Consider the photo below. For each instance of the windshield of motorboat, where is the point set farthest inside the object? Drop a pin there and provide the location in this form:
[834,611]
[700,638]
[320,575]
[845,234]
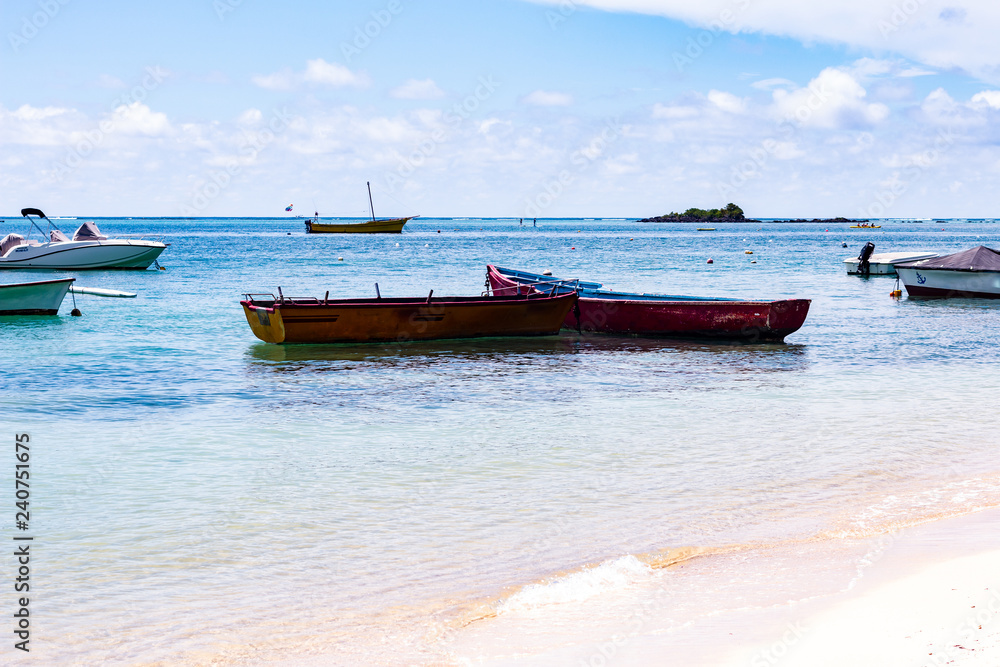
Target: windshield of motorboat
[46,233]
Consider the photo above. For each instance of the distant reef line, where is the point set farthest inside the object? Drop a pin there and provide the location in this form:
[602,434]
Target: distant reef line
[662,218]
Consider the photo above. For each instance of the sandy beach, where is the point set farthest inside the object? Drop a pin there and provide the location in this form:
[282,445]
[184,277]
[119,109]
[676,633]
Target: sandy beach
[930,595]
[933,599]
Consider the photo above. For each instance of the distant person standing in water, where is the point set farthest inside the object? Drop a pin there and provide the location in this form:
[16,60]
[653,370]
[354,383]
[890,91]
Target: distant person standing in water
[534,222]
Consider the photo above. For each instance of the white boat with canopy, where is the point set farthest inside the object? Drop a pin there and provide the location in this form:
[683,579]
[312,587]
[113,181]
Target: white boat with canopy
[88,249]
[970,274]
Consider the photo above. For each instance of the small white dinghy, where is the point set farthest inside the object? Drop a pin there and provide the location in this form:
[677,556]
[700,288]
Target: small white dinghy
[38,298]
[883,263]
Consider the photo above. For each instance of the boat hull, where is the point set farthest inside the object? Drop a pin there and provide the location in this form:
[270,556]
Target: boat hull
[943,283]
[84,255]
[732,320]
[36,298]
[394,226]
[399,320]
[644,315]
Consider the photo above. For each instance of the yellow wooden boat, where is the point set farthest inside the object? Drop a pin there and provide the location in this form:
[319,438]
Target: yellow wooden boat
[373,226]
[391,226]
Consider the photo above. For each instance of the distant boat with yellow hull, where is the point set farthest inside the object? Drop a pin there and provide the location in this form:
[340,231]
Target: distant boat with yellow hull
[373,226]
[391,226]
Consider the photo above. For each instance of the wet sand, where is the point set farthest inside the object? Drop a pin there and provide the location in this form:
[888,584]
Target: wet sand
[928,595]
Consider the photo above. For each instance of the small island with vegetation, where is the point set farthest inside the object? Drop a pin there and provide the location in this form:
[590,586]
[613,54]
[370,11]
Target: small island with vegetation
[731,213]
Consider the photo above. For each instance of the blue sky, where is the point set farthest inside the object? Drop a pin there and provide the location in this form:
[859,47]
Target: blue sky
[500,108]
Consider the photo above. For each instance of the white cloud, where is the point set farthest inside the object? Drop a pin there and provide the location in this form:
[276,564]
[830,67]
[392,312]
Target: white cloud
[37,126]
[544,98]
[937,33]
[417,89]
[689,149]
[332,74]
[916,71]
[488,124]
[833,100]
[989,98]
[250,117]
[137,118]
[727,101]
[938,105]
[317,72]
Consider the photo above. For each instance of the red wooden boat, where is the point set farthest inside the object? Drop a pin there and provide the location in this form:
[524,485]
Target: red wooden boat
[604,311]
[310,320]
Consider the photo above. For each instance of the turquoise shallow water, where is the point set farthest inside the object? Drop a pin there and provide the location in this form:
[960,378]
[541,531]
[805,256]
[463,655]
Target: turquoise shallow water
[202,496]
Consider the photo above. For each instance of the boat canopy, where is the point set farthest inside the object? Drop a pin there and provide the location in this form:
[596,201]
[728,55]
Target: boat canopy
[88,231]
[25,212]
[979,258]
[10,241]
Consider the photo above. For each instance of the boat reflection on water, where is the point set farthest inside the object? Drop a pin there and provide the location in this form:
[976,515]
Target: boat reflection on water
[756,357]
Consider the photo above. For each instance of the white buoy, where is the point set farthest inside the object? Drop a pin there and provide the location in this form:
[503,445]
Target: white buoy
[397,245]
[546,272]
[340,259]
[427,245]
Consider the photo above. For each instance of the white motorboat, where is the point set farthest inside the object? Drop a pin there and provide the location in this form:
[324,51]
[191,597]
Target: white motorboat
[973,273]
[88,249]
[38,298]
[884,263]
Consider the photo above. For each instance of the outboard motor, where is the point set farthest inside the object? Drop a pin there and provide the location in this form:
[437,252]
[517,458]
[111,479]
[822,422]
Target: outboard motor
[863,268]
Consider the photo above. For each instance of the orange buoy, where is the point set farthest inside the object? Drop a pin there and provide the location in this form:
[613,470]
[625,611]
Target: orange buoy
[573,248]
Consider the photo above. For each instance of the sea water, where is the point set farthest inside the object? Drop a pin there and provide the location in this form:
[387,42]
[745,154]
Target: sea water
[199,496]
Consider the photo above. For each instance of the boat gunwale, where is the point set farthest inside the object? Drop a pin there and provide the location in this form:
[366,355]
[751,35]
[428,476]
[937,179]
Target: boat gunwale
[374,302]
[925,269]
[39,282]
